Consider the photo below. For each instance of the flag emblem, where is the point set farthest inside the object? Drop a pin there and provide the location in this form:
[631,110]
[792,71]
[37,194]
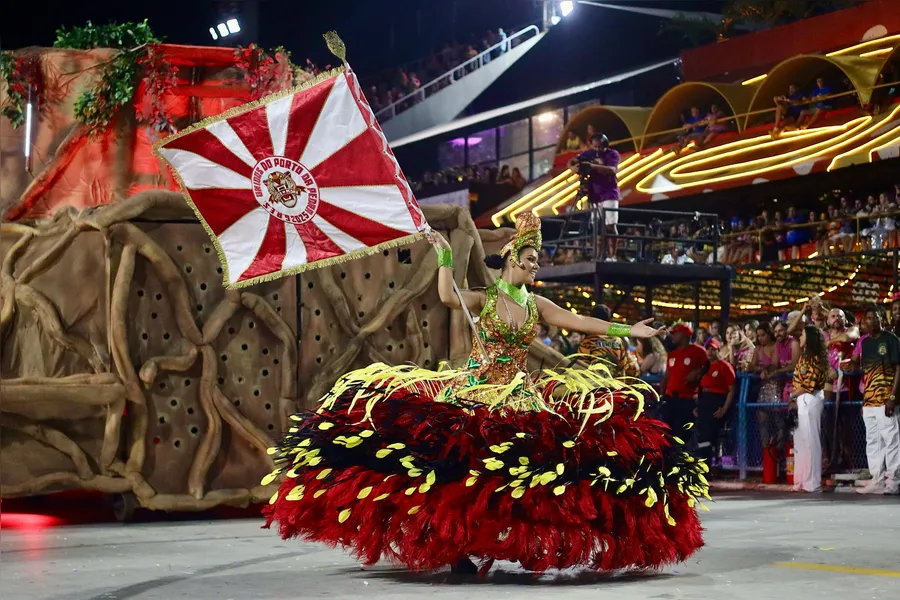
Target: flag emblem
[276,190]
[294,181]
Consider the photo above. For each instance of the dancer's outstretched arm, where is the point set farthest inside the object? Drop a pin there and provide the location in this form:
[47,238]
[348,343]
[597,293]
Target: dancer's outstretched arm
[474,300]
[555,316]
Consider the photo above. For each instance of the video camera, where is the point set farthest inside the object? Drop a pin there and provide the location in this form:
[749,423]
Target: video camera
[584,171]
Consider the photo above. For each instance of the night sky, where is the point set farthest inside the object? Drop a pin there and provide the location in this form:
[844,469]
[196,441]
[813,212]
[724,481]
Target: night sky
[590,43]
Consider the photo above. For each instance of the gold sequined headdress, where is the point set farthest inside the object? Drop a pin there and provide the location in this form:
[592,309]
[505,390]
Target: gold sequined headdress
[528,233]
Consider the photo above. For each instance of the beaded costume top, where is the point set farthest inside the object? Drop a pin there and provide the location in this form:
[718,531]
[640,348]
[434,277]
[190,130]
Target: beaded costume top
[507,348]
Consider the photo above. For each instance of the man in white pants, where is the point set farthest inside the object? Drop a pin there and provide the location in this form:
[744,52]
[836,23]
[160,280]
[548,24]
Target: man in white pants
[603,185]
[880,360]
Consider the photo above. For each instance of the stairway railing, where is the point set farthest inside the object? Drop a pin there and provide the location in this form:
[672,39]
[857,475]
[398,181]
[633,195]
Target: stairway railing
[454,74]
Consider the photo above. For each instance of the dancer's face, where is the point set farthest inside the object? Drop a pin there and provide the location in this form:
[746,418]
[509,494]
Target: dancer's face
[528,259]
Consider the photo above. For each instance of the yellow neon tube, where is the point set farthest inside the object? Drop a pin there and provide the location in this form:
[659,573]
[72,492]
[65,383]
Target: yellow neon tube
[884,140]
[870,43]
[876,53]
[572,189]
[497,218]
[756,79]
[631,159]
[644,168]
[625,166]
[639,164]
[556,188]
[675,172]
[883,146]
[775,161]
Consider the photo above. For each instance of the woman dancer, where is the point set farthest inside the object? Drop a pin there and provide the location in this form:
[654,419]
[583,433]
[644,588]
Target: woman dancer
[429,468]
[808,397]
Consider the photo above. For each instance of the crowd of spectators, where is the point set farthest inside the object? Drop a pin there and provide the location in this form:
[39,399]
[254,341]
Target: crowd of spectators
[386,88]
[702,129]
[846,225]
[434,181]
[751,346]
[801,109]
[779,352]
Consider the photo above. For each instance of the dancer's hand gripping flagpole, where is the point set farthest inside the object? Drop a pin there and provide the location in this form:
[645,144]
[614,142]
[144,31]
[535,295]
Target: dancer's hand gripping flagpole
[429,232]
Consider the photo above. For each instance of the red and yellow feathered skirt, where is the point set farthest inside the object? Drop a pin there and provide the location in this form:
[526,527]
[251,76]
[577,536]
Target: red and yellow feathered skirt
[396,465]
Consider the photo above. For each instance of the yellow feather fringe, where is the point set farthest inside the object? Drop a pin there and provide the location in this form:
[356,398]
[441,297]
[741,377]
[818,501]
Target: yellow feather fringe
[588,392]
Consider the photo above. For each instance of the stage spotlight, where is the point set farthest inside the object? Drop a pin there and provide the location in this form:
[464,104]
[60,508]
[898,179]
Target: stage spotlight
[233,25]
[212,32]
[223,30]
[566,7]
[554,20]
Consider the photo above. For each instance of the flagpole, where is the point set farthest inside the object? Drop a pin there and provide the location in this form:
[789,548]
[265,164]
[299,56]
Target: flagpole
[469,318]
[462,303]
[337,47]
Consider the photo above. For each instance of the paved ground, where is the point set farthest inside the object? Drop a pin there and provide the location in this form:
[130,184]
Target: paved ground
[759,547]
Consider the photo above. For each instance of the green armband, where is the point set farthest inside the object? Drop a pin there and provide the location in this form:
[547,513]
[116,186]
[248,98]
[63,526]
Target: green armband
[444,257]
[618,330]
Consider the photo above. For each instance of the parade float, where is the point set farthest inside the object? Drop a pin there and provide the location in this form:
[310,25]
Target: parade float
[127,367]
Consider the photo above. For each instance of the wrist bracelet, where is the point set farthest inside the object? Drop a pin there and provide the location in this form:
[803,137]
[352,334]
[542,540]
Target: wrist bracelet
[444,257]
[618,330]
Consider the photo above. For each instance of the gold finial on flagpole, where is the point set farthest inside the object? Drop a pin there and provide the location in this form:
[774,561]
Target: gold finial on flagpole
[336,45]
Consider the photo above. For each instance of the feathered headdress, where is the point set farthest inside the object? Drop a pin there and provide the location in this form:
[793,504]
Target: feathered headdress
[528,233]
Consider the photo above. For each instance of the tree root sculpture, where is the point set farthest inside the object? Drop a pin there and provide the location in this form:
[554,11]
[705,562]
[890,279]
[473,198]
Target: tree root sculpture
[192,339]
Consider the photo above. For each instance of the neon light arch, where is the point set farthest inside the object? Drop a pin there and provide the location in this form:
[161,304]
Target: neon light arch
[731,98]
[803,70]
[617,122]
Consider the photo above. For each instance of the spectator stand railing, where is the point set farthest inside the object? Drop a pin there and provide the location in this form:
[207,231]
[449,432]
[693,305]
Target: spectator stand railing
[744,445]
[586,232]
[454,74]
[653,236]
[759,234]
[420,65]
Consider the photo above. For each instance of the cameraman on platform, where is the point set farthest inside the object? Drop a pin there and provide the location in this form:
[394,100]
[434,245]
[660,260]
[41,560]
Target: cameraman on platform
[597,166]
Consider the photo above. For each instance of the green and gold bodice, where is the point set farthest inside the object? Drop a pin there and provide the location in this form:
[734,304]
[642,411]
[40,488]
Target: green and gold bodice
[506,347]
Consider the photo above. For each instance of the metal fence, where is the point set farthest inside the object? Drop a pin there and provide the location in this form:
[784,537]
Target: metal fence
[740,448]
[586,232]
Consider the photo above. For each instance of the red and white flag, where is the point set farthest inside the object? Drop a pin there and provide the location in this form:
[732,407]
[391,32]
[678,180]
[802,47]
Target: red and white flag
[294,182]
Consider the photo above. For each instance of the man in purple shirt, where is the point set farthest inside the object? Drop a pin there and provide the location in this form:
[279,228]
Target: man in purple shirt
[600,165]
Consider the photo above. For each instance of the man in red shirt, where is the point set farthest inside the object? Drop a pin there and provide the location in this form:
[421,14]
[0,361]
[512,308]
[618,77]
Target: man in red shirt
[687,363]
[716,397]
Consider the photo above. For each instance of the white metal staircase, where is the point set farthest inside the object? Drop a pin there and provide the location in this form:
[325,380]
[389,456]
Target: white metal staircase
[445,97]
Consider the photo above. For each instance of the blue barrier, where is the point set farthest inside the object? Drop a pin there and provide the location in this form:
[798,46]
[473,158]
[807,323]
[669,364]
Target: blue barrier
[747,445]
[740,438]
